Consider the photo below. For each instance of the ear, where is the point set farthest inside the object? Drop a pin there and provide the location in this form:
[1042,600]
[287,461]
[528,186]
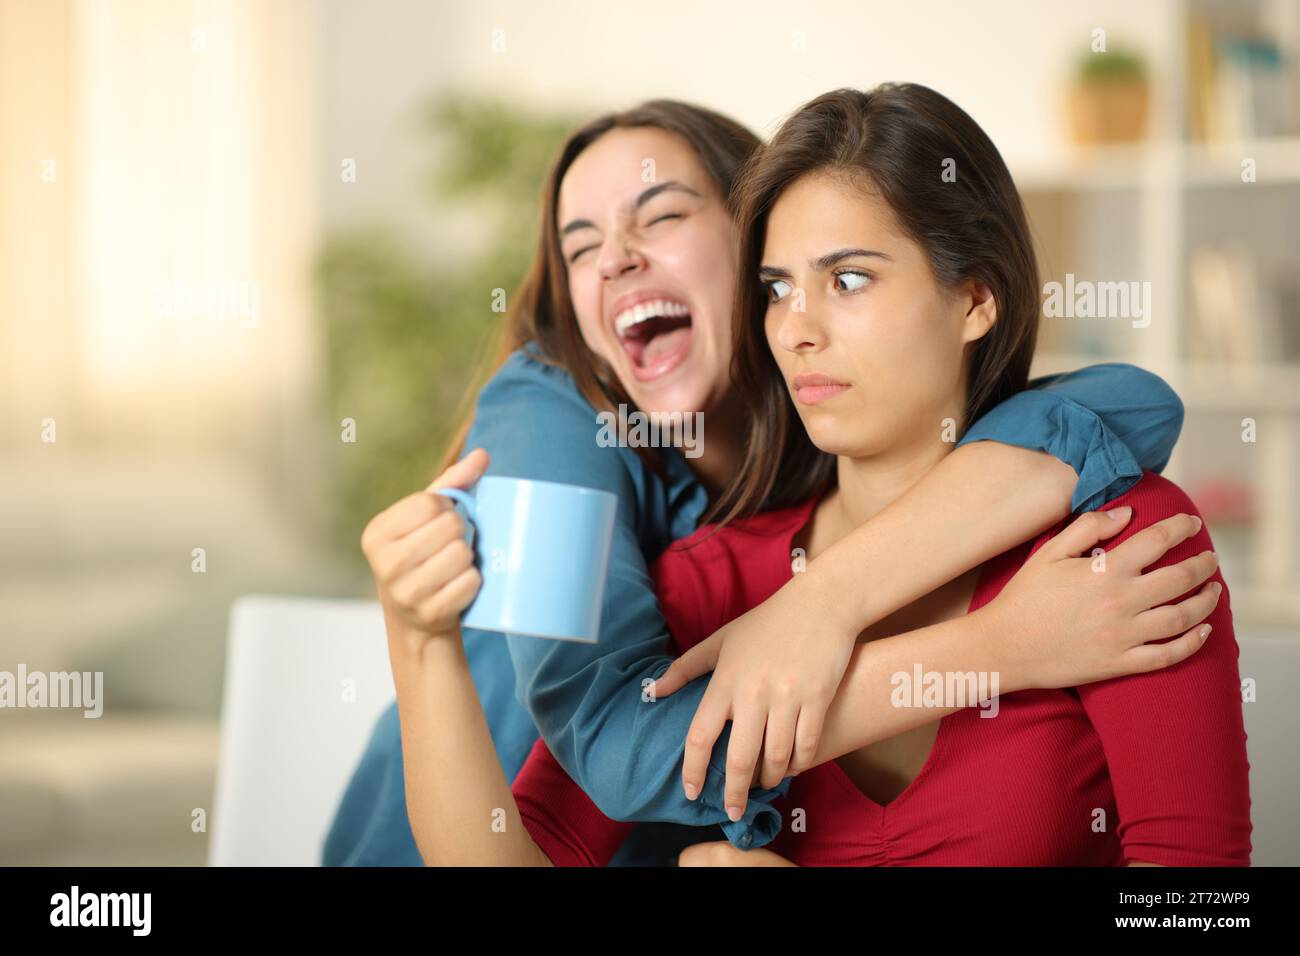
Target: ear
[981,311]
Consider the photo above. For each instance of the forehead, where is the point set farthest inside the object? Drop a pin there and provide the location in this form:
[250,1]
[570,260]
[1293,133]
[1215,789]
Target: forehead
[613,170]
[821,208]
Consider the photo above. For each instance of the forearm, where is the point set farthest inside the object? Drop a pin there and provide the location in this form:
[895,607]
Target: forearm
[864,710]
[981,500]
[1101,424]
[461,810]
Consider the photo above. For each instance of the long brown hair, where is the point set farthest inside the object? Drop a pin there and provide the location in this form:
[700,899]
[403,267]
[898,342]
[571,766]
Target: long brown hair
[899,139]
[541,309]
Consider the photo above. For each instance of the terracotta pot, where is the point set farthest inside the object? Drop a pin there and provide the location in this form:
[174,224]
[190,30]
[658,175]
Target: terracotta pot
[1108,111]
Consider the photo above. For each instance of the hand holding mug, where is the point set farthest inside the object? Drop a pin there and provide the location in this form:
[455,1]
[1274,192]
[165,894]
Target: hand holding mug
[528,557]
[420,557]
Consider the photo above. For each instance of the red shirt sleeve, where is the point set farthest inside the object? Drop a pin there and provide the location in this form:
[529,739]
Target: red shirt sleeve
[1174,739]
[558,814]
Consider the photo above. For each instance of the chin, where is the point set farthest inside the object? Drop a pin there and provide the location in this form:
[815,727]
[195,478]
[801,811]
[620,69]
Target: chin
[829,443]
[840,441]
[687,396]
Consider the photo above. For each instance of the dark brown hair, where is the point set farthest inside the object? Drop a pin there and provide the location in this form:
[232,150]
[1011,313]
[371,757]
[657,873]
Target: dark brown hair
[542,311]
[897,139]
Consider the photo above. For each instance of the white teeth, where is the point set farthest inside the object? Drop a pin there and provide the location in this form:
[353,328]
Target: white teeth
[647,310]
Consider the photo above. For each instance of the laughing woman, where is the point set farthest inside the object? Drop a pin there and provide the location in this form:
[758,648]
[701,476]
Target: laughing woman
[917,304]
[610,243]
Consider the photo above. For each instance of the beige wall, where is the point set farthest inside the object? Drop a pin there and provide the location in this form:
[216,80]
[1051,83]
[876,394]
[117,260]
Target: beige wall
[183,138]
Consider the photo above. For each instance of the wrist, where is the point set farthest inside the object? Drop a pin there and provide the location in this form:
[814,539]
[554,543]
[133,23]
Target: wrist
[1002,645]
[819,596]
[409,644]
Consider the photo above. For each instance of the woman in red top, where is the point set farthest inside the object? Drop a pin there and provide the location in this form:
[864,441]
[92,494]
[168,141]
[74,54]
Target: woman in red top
[890,295]
[1149,768]
[882,316]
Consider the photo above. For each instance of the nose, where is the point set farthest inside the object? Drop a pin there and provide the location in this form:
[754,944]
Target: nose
[618,256]
[801,330]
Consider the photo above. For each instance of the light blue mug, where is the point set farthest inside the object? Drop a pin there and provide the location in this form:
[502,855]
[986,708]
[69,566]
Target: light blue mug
[542,549]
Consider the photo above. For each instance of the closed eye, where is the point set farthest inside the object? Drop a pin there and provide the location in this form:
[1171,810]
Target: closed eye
[670,215]
[585,249]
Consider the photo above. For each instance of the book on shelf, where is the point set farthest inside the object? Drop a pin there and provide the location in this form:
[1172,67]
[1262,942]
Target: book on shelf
[1243,311]
[1239,84]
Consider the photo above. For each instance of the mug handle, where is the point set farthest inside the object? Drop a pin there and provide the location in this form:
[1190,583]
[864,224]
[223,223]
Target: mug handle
[466,499]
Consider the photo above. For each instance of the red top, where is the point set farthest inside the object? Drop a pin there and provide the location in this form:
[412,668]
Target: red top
[1148,767]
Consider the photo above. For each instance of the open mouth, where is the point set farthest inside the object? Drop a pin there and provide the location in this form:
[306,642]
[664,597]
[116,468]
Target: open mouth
[655,335]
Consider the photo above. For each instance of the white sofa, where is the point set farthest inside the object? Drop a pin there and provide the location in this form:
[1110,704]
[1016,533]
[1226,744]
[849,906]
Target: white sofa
[291,733]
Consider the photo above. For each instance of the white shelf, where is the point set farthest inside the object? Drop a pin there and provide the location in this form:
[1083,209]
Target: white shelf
[1265,387]
[1133,166]
[1161,179]
[1277,161]
[1210,386]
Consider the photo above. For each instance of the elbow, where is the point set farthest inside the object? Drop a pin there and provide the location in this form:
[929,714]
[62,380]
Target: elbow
[1156,399]
[620,797]
[1169,406]
[617,804]
[1154,393]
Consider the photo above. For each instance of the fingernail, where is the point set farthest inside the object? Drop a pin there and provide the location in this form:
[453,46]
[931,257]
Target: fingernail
[1119,514]
[733,813]
[1217,587]
[1197,521]
[1205,631]
[692,791]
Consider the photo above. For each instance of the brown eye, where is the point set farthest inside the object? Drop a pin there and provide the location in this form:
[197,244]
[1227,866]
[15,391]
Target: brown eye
[775,295]
[858,281]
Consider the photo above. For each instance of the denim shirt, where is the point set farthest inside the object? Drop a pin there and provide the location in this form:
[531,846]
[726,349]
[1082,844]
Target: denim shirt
[1108,422]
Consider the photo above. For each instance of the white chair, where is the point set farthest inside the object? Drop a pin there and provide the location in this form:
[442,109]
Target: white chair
[290,739]
[306,679]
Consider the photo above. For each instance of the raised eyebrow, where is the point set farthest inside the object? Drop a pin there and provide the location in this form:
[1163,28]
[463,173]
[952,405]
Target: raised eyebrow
[839,255]
[824,262]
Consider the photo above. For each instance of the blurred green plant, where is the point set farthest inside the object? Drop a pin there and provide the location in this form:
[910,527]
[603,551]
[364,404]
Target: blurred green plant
[405,337]
[1117,63]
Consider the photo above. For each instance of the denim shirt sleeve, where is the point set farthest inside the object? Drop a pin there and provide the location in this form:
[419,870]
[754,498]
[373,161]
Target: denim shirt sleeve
[1108,422]
[587,699]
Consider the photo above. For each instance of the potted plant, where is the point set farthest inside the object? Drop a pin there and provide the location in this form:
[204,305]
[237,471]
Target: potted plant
[1108,99]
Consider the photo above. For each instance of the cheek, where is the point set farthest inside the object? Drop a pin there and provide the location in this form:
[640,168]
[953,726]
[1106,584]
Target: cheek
[706,261]
[586,306]
[925,355]
[926,331]
[785,359]
[772,329]
[947,320]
